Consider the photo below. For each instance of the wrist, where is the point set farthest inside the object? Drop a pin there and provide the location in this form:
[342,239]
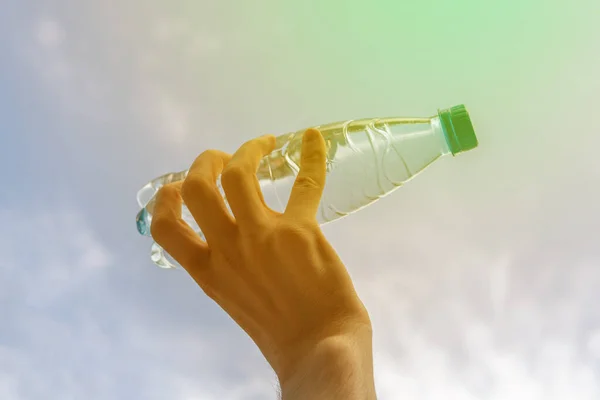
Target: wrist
[336,367]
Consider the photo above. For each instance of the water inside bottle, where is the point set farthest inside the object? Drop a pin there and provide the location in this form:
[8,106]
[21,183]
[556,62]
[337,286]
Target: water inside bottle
[366,160]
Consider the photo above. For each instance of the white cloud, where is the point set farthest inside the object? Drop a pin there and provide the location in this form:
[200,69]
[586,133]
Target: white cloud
[75,84]
[593,344]
[85,77]
[469,308]
[49,257]
[433,350]
[423,369]
[57,342]
[8,386]
[456,317]
[180,33]
[50,33]
[49,253]
[168,118]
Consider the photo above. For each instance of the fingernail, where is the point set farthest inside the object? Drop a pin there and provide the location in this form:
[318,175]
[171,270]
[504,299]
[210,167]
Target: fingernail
[312,133]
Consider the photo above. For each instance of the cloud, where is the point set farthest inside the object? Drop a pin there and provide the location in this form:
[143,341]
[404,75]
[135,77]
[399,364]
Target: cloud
[67,333]
[497,301]
[161,113]
[88,78]
[50,34]
[180,33]
[505,309]
[50,258]
[467,325]
[48,254]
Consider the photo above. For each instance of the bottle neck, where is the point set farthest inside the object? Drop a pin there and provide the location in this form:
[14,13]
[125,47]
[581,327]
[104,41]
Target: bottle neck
[436,125]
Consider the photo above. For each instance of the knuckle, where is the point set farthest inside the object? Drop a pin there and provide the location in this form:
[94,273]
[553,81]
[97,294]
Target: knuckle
[233,174]
[294,232]
[169,191]
[211,153]
[250,143]
[160,227]
[195,186]
[307,182]
[194,256]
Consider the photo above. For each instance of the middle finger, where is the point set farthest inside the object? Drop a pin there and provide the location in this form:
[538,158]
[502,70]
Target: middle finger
[241,184]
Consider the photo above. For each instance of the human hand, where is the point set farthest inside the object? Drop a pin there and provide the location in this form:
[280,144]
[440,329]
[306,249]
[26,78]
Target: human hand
[274,273]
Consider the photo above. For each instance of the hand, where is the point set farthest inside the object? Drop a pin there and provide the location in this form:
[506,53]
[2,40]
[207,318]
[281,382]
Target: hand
[274,273]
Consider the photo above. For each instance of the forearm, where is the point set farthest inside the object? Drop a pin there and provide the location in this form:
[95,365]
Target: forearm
[338,368]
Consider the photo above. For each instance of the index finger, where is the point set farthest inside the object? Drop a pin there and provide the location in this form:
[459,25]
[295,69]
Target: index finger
[203,199]
[172,233]
[307,190]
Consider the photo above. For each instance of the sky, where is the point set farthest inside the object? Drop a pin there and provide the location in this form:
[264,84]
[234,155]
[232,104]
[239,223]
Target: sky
[482,275]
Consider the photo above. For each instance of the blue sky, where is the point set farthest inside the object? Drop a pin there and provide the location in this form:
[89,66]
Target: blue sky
[481,276]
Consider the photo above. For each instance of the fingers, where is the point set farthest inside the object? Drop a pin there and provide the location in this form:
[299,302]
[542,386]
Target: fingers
[203,199]
[310,182]
[172,233]
[241,184]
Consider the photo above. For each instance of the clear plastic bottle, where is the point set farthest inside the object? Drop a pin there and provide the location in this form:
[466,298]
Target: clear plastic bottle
[367,159]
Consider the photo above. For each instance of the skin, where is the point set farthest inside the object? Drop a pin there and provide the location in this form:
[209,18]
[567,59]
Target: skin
[274,273]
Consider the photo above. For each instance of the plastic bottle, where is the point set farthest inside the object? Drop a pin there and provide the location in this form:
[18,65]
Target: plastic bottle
[367,159]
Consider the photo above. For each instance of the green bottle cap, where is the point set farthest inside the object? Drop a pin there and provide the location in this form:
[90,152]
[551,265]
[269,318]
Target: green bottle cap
[458,129]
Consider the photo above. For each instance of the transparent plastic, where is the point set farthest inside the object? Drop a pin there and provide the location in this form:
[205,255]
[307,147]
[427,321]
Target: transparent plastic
[367,159]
